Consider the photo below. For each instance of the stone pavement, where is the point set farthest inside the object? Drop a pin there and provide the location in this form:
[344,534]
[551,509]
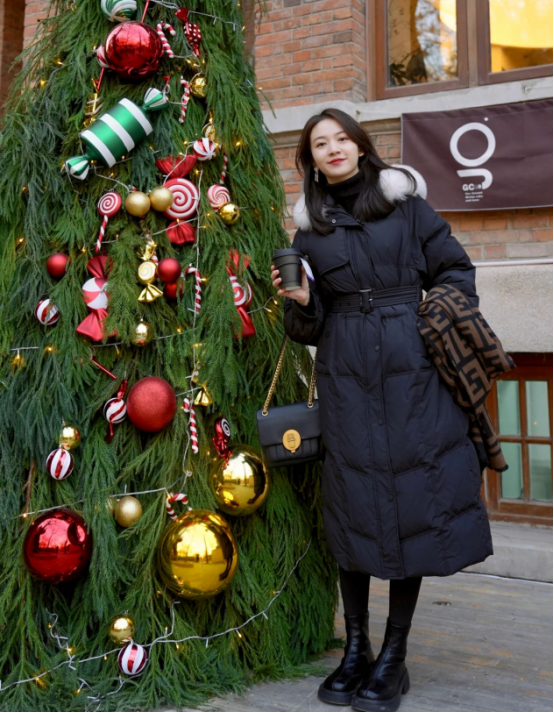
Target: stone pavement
[478,643]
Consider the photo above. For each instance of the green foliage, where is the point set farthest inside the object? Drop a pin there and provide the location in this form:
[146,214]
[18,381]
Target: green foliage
[39,132]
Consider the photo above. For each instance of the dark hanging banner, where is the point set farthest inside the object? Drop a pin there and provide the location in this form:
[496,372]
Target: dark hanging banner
[484,158]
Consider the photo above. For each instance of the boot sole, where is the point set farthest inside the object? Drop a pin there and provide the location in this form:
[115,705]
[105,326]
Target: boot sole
[335,697]
[391,704]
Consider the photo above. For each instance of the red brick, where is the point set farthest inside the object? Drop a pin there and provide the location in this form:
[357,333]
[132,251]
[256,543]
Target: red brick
[475,253]
[302,56]
[495,252]
[492,237]
[342,13]
[495,223]
[468,224]
[301,32]
[530,221]
[543,234]
[302,79]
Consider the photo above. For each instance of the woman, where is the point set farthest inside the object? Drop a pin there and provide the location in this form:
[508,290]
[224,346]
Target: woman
[401,478]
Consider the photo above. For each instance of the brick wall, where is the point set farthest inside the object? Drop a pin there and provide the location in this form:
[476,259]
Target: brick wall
[35,11]
[11,37]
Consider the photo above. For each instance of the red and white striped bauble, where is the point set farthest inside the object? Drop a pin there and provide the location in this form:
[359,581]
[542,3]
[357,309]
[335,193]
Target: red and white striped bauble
[218,196]
[47,313]
[242,294]
[59,464]
[94,293]
[204,149]
[115,410]
[132,659]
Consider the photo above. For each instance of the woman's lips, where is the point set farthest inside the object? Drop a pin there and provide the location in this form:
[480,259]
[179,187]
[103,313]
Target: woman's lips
[336,161]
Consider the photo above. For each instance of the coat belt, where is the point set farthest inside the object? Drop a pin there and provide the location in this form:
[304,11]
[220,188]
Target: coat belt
[366,300]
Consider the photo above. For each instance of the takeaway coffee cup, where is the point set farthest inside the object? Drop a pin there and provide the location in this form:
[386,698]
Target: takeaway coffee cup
[287,261]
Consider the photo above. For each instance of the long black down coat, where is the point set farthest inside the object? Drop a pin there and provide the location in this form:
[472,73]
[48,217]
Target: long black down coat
[401,478]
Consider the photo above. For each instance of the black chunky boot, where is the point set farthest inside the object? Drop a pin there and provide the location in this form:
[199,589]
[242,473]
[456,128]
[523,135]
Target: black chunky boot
[388,679]
[340,686]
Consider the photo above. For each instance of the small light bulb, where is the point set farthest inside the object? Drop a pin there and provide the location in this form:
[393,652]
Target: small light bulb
[43,82]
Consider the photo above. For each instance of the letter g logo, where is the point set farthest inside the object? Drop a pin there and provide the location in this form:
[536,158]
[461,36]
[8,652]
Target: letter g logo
[491,146]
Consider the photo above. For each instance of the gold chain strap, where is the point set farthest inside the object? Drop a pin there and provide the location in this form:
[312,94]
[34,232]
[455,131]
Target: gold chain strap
[276,376]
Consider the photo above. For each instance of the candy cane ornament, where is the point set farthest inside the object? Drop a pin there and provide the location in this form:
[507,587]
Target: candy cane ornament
[191,270]
[174,498]
[108,206]
[160,27]
[224,171]
[184,100]
[188,407]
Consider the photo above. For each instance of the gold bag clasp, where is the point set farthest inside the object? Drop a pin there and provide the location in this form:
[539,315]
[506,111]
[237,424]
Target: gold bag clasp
[291,440]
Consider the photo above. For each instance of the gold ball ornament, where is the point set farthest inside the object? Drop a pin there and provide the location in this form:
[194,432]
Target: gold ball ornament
[161,198]
[229,213]
[197,555]
[69,437]
[198,86]
[143,334]
[241,483]
[127,511]
[194,64]
[121,629]
[137,203]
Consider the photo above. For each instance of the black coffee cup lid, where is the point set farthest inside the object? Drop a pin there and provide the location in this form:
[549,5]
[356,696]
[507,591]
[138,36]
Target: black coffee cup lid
[285,252]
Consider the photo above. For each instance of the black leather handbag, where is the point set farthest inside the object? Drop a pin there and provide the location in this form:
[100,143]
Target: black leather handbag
[290,434]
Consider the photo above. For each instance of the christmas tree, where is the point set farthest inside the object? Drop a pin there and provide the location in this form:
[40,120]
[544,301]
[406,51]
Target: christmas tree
[140,205]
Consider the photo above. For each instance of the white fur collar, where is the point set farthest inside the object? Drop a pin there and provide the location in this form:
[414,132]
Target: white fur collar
[394,184]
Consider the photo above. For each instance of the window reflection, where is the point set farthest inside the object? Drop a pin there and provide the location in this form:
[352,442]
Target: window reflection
[512,479]
[422,43]
[521,33]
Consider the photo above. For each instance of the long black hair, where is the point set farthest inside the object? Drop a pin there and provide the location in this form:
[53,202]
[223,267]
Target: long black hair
[371,203]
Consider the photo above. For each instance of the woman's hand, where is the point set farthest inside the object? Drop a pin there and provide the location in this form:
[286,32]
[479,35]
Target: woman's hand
[302,296]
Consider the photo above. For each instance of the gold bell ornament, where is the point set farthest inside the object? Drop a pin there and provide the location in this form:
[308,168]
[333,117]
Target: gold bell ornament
[202,397]
[69,437]
[143,334]
[197,554]
[127,511]
[161,198]
[137,203]
[121,629]
[239,482]
[229,213]
[198,86]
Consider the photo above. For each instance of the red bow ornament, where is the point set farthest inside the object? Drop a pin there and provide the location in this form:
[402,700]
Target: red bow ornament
[96,299]
[242,293]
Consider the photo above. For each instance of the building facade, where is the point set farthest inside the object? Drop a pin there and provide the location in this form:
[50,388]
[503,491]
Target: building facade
[380,60]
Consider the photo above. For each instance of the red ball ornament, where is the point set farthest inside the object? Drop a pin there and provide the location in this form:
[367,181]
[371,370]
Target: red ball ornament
[133,50]
[57,265]
[169,269]
[151,404]
[57,546]
[174,289]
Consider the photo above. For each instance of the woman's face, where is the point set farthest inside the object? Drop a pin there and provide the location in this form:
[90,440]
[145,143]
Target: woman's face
[333,152]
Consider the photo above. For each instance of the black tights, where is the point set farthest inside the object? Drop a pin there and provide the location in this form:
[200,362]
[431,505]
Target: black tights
[402,596]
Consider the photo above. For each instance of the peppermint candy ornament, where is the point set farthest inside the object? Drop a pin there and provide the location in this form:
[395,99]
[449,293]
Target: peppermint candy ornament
[218,196]
[108,206]
[132,659]
[118,10]
[115,410]
[59,464]
[47,313]
[242,294]
[204,149]
[185,198]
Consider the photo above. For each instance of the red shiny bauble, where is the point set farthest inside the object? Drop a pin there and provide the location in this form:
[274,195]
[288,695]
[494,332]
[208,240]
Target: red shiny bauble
[57,546]
[133,50]
[172,289]
[169,269]
[57,265]
[151,404]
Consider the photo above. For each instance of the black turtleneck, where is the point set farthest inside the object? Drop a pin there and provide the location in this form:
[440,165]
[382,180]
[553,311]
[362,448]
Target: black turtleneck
[346,192]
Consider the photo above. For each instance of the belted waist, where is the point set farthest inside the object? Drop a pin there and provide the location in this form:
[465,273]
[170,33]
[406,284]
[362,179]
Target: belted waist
[366,300]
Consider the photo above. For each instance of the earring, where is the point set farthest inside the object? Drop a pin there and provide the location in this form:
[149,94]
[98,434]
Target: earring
[316,175]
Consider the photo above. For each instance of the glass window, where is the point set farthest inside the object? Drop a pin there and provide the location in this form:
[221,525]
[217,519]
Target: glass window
[512,479]
[521,34]
[422,42]
[538,417]
[540,471]
[508,407]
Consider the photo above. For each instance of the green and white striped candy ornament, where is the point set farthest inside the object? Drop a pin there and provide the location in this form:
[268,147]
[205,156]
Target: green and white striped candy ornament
[118,10]
[115,133]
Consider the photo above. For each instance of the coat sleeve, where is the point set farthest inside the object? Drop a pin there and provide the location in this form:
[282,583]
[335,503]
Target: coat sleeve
[304,324]
[447,263]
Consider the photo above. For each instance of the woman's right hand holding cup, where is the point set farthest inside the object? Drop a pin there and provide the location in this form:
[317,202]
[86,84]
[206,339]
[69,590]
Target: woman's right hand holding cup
[302,295]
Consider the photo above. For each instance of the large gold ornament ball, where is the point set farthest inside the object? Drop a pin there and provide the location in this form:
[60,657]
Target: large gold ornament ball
[127,511]
[229,213]
[69,437]
[143,334]
[241,483]
[198,86]
[137,203]
[197,555]
[161,198]
[121,629]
